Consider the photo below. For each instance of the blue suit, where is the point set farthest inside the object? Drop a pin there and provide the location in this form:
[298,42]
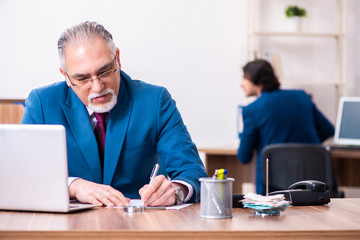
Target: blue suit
[143,127]
[280,116]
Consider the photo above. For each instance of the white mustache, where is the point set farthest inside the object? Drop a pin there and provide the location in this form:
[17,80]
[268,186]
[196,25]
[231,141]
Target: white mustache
[103,92]
[102,108]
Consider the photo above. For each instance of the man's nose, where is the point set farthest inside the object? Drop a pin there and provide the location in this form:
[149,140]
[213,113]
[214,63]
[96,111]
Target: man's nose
[97,85]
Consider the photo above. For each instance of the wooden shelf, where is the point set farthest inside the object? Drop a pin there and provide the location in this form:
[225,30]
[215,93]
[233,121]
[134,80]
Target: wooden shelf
[256,34]
[298,34]
[315,84]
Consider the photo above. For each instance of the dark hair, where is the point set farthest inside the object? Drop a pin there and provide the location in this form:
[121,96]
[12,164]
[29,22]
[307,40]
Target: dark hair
[260,73]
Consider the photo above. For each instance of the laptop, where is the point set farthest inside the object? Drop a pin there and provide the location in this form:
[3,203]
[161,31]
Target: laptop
[347,130]
[33,169]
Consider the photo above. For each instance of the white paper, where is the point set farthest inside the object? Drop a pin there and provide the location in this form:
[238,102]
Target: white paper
[136,202]
[178,207]
[139,203]
[271,201]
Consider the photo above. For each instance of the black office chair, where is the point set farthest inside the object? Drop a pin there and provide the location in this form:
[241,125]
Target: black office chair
[293,162]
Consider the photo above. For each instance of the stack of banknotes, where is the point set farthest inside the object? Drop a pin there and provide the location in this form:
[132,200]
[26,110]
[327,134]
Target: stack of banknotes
[265,205]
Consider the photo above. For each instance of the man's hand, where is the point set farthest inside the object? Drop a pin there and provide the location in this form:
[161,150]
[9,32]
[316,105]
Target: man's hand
[160,192]
[94,193]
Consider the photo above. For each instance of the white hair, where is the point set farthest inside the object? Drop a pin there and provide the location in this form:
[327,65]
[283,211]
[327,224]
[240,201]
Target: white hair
[83,32]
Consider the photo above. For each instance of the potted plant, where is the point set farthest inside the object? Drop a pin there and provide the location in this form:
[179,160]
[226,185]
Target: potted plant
[295,13]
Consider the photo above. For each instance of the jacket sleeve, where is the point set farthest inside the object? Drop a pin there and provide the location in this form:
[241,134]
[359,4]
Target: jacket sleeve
[33,113]
[248,138]
[175,148]
[324,127]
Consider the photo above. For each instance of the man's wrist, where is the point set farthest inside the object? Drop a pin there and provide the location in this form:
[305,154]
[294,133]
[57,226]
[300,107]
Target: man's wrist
[180,193]
[186,187]
[73,187]
[71,179]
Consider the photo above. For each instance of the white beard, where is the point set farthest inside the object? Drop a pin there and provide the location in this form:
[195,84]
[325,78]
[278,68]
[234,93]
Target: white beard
[103,107]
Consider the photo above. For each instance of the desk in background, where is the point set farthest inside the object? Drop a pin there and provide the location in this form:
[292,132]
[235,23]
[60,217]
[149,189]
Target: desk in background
[11,111]
[337,220]
[346,166]
[225,157]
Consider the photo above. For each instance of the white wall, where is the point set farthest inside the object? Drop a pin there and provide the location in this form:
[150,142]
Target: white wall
[193,47]
[311,60]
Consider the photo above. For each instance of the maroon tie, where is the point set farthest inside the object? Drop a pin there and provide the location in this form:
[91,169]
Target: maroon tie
[100,133]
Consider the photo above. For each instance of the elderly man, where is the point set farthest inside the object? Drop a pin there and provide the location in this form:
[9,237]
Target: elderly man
[117,128]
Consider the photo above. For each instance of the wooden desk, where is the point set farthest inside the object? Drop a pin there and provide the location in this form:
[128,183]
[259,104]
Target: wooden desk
[346,166]
[337,220]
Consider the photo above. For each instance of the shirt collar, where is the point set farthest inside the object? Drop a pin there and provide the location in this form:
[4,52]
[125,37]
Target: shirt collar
[89,111]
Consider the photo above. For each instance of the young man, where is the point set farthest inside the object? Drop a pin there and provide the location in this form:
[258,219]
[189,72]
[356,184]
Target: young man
[276,116]
[117,128]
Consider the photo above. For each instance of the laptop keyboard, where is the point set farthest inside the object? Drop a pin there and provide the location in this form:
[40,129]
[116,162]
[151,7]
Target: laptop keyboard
[344,147]
[72,206]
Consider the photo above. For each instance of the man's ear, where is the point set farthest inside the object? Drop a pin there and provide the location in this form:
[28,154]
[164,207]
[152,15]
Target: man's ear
[259,89]
[118,57]
[65,76]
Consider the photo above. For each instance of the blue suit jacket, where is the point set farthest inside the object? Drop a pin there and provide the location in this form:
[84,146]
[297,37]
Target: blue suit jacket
[281,116]
[145,125]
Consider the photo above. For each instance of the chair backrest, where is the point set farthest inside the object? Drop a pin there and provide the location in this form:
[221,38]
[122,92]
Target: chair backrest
[293,162]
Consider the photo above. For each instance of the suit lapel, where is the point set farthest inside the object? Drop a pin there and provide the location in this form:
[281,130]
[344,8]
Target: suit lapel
[78,119]
[116,132]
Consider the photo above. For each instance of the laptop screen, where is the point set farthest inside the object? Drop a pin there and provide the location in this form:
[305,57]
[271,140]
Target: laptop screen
[348,121]
[33,168]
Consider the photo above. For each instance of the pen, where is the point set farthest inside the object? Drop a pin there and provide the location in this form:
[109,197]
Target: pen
[215,174]
[154,172]
[220,174]
[267,176]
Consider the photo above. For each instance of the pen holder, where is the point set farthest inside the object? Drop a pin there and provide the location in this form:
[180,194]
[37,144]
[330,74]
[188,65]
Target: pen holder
[216,198]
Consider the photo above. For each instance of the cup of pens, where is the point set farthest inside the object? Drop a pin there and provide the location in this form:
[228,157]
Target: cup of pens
[216,195]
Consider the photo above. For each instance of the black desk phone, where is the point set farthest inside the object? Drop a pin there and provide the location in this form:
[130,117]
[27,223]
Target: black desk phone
[303,193]
[306,193]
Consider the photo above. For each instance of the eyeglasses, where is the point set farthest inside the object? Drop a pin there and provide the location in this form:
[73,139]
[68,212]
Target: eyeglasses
[102,77]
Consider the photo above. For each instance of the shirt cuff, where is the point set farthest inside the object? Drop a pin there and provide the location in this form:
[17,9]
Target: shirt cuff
[190,189]
[71,179]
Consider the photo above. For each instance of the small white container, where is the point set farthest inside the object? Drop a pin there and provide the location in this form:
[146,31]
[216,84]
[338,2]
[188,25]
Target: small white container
[294,24]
